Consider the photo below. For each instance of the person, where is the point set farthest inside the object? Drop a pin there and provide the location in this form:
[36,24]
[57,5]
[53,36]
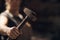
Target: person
[8,26]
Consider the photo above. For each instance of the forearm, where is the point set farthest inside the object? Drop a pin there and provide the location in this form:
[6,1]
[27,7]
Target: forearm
[3,29]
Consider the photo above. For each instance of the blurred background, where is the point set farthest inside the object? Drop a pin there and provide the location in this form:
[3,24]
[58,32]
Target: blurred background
[47,25]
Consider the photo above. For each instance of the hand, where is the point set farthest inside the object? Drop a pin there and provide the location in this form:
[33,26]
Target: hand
[13,33]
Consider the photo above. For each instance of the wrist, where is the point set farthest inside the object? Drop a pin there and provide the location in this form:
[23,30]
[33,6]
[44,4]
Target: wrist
[7,29]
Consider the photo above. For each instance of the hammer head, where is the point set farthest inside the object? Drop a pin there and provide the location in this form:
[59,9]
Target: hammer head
[30,13]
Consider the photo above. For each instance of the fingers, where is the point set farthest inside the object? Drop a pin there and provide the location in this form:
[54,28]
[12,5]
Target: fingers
[17,31]
[14,33]
[12,36]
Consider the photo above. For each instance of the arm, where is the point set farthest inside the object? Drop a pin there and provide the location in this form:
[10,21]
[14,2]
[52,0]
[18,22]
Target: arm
[12,32]
[3,26]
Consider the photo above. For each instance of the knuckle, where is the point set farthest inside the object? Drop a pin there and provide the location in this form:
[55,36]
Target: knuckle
[15,37]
